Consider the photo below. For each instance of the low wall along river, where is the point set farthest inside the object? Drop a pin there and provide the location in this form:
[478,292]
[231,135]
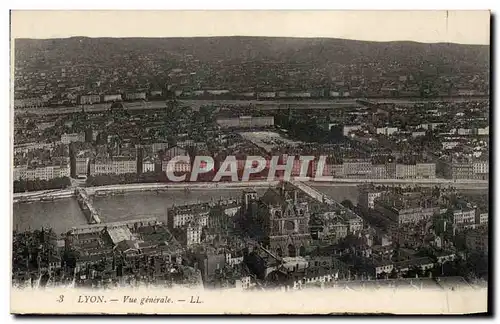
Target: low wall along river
[62,214]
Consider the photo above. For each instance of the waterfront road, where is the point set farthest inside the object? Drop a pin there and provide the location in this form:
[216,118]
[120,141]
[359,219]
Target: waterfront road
[37,195]
[459,184]
[182,185]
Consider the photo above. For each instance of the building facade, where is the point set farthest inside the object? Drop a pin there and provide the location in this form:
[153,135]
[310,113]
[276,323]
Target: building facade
[357,168]
[426,170]
[367,198]
[179,216]
[112,97]
[82,166]
[481,170]
[117,165]
[178,166]
[462,170]
[89,99]
[464,218]
[193,233]
[246,122]
[379,171]
[406,171]
[280,218]
[46,172]
[136,96]
[148,165]
[405,215]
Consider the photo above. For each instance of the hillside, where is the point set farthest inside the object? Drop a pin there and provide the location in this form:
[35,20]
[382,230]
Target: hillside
[319,51]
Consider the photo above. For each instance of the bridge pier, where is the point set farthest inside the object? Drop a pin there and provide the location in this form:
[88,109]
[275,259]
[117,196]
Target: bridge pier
[313,193]
[86,206]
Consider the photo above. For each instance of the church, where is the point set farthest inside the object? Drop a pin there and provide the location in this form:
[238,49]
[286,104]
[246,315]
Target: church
[279,220]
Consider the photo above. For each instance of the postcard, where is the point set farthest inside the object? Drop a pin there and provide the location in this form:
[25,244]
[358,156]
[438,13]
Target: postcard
[198,162]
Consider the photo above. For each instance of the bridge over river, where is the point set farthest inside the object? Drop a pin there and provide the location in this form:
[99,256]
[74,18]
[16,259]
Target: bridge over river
[89,211]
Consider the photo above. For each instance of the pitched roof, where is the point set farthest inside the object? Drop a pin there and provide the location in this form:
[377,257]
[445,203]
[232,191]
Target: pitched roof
[127,245]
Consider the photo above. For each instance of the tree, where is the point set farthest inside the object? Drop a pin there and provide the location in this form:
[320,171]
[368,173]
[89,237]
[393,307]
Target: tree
[37,184]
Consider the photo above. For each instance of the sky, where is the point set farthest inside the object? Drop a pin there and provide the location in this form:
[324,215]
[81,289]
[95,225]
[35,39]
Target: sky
[465,27]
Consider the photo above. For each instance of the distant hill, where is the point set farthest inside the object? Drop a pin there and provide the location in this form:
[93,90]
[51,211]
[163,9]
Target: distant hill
[320,51]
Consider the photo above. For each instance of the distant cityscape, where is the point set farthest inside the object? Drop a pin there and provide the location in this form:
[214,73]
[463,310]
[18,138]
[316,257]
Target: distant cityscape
[90,71]
[102,117]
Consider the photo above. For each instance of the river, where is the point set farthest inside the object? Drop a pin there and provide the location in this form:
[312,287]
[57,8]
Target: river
[148,204]
[63,214]
[338,192]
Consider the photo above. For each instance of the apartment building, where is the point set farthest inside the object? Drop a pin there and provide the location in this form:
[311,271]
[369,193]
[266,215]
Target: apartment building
[116,165]
[464,218]
[179,216]
[366,198]
[379,171]
[403,210]
[82,166]
[357,168]
[89,99]
[406,171]
[426,170]
[148,164]
[178,166]
[193,233]
[45,172]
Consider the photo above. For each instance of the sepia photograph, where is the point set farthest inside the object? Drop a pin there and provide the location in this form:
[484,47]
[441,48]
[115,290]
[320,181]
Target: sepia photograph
[250,162]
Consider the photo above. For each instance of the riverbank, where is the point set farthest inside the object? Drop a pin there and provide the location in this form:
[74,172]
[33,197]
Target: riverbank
[137,187]
[43,195]
[63,214]
[158,187]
